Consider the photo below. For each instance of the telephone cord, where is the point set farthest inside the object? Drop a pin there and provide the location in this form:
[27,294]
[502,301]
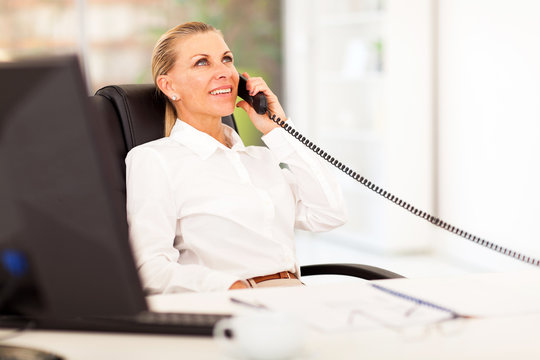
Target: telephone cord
[401,203]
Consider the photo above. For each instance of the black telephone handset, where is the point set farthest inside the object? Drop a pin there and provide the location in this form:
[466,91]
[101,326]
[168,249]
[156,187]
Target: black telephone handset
[259,103]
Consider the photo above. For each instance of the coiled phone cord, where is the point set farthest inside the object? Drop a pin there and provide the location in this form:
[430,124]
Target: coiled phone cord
[413,210]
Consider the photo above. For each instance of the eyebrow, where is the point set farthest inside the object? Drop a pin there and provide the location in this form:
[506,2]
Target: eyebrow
[206,55]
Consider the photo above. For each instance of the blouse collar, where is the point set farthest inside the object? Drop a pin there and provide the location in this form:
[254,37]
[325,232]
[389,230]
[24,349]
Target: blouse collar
[203,144]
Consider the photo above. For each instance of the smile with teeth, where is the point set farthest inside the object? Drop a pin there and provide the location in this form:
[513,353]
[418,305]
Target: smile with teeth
[220,91]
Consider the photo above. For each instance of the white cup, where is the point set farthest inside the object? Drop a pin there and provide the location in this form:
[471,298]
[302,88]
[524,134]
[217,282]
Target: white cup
[261,336]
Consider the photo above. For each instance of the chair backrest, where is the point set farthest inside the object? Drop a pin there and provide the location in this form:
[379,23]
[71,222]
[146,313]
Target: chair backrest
[126,116]
[140,110]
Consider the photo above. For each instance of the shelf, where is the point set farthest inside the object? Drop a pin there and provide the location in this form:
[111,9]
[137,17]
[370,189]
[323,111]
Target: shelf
[24,4]
[18,4]
[128,2]
[354,18]
[38,42]
[32,44]
[366,136]
[370,78]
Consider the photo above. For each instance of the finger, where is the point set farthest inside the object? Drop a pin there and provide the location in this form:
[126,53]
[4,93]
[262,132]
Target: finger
[261,88]
[243,105]
[255,89]
[257,85]
[256,80]
[250,85]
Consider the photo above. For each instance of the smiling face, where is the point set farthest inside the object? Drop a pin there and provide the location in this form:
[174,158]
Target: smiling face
[203,77]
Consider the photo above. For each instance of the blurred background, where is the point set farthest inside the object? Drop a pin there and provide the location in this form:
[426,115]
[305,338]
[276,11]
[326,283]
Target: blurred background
[437,101]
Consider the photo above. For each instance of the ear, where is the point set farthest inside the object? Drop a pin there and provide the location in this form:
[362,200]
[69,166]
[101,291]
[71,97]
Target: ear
[164,83]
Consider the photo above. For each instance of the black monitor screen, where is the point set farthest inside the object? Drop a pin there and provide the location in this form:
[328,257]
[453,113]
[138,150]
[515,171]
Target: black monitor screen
[64,248]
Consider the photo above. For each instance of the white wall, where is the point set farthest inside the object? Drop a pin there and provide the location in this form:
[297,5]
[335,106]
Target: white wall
[489,137]
[408,159]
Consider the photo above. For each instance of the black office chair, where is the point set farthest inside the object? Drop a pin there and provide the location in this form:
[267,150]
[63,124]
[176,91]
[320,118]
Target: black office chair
[131,115]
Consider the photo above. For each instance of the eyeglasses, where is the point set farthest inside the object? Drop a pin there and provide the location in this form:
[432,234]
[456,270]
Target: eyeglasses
[414,322]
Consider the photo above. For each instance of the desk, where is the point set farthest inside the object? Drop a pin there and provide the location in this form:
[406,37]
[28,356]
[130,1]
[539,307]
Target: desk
[509,327]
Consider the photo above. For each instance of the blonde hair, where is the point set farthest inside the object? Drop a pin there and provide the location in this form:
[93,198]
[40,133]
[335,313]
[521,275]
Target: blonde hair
[164,57]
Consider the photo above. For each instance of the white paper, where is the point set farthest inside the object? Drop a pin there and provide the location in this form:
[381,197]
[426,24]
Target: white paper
[362,307]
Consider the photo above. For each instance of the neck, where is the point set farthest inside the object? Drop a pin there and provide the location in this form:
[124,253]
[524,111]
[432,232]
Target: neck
[208,124]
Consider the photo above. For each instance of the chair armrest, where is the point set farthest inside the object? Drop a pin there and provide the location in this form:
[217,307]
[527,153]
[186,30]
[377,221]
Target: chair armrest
[357,270]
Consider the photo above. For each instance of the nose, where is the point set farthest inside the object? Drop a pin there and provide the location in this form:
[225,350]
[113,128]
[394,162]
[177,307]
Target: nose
[224,71]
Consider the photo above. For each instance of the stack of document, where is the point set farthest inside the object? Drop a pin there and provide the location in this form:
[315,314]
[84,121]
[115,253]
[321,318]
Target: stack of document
[364,306]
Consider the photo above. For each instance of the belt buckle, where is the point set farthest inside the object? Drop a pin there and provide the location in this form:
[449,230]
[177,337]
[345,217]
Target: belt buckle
[280,275]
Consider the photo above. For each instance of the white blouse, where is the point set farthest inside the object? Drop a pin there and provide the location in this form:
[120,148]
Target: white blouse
[202,216]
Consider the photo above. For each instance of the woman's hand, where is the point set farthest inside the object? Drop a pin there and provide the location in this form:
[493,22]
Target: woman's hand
[238,285]
[262,122]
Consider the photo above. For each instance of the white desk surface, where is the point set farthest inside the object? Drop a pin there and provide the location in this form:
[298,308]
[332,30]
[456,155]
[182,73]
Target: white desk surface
[508,306]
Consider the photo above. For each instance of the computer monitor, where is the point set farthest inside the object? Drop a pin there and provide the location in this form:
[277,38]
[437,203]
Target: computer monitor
[64,248]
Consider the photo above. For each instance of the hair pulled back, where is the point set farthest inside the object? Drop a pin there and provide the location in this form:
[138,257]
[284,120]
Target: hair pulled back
[164,56]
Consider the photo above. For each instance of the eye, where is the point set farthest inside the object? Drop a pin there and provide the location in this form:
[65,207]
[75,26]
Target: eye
[201,62]
[227,59]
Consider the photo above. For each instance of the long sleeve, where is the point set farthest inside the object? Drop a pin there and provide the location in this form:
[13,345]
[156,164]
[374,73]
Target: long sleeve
[152,218]
[319,201]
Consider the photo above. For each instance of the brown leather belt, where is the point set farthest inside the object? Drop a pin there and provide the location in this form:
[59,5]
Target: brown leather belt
[279,275]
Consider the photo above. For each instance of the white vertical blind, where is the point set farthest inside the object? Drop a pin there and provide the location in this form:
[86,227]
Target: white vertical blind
[359,83]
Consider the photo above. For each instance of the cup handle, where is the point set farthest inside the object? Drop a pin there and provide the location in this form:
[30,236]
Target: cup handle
[223,331]
[224,335]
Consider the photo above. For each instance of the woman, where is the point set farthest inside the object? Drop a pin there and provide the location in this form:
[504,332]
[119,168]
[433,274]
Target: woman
[205,212]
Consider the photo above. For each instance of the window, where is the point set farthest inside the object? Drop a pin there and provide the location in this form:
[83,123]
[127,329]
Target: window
[115,38]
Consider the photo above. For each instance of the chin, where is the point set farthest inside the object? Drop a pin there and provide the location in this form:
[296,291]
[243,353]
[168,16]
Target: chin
[225,110]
